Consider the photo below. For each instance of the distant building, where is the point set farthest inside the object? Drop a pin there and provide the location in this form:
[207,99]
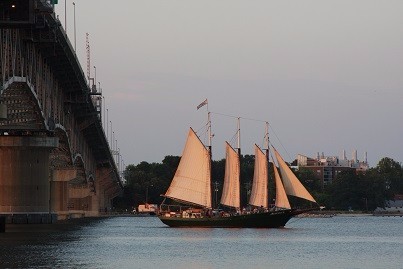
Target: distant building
[326,168]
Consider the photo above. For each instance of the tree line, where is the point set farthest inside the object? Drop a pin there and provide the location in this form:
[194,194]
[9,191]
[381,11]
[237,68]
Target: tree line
[364,191]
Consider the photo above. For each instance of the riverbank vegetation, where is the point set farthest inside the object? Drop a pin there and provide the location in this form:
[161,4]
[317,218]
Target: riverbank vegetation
[146,182]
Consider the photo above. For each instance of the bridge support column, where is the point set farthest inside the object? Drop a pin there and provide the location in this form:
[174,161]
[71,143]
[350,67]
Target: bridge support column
[24,178]
[104,195]
[81,201]
[59,191]
[71,200]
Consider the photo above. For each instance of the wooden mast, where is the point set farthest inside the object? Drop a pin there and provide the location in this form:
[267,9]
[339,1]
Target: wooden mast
[239,156]
[210,154]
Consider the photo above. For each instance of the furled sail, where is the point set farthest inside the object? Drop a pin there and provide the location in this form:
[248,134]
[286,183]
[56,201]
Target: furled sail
[231,190]
[291,183]
[281,196]
[192,180]
[259,196]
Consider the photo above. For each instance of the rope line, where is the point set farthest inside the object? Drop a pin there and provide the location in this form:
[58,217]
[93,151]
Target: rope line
[205,135]
[232,116]
[257,120]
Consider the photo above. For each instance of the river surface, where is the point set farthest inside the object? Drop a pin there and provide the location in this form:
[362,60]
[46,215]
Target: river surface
[144,242]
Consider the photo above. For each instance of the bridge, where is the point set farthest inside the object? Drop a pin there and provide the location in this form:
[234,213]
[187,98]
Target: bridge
[55,160]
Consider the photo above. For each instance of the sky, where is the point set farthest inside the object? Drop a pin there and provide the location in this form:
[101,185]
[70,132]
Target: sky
[326,75]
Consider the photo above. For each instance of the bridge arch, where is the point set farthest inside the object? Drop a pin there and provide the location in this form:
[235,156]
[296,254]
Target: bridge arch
[24,110]
[62,157]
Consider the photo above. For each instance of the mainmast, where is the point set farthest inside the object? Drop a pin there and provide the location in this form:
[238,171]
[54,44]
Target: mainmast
[209,130]
[205,103]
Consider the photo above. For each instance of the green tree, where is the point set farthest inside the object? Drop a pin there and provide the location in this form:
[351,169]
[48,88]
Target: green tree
[391,172]
[363,191]
[344,191]
[374,190]
[146,181]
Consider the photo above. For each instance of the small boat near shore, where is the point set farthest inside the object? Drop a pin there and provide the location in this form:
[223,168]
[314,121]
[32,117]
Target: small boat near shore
[190,190]
[147,209]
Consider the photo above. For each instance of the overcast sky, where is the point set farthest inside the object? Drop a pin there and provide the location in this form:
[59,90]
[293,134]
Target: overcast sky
[326,75]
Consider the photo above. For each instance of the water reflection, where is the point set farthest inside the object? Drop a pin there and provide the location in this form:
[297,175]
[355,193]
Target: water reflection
[40,246]
[128,242]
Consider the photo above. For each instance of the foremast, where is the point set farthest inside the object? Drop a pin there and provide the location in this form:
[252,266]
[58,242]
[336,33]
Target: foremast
[210,136]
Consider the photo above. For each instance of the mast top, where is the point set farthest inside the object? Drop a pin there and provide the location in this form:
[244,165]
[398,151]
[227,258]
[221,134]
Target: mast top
[266,137]
[239,135]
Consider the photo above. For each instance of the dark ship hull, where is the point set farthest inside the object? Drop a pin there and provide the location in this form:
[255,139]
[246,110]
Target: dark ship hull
[271,219]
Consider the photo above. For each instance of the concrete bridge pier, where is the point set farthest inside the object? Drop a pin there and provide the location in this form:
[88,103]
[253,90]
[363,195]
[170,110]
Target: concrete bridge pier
[60,191]
[24,178]
[110,189]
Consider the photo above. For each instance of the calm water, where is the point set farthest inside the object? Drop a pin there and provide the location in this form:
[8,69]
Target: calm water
[144,242]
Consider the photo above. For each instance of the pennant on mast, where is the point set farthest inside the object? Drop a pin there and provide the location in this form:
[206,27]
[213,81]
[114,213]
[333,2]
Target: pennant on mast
[205,102]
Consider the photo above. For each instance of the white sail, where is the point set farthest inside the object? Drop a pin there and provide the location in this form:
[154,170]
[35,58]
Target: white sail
[291,183]
[192,180]
[281,196]
[231,190]
[259,196]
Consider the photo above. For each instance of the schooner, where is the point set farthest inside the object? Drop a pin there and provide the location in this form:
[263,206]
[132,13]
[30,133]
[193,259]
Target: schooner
[191,190]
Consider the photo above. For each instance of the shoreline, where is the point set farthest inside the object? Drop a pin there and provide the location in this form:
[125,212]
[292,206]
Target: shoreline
[340,213]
